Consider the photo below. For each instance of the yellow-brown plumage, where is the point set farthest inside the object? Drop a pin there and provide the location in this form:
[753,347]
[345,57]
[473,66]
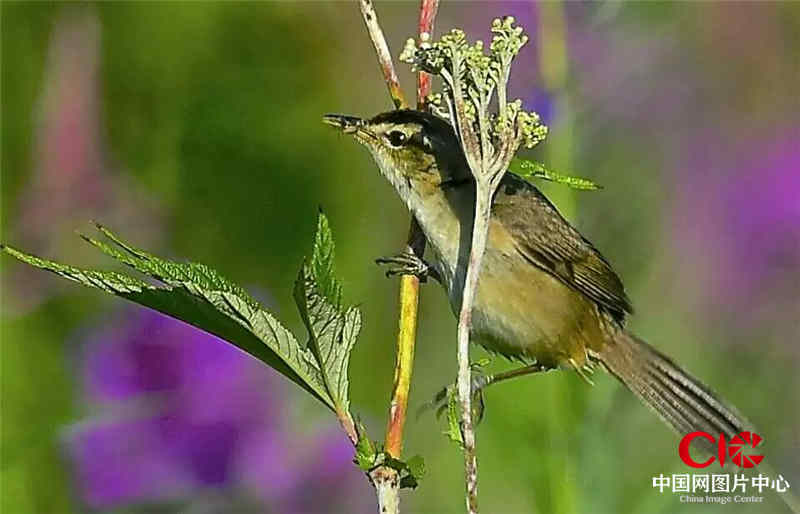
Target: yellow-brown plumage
[545,294]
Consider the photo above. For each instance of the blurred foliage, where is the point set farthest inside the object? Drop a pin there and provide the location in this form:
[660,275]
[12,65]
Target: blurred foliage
[213,110]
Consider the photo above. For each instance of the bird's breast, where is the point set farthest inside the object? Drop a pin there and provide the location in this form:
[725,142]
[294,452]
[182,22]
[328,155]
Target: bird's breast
[520,310]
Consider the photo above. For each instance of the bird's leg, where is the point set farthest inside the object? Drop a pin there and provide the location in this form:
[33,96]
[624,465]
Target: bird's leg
[506,375]
[479,382]
[408,263]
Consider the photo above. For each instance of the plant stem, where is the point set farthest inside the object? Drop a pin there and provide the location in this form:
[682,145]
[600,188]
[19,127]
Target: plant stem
[382,50]
[480,229]
[385,479]
[348,426]
[387,488]
[409,284]
[409,301]
[488,148]
[427,15]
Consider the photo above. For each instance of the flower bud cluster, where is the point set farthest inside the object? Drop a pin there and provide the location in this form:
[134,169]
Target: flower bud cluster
[531,128]
[478,76]
[508,39]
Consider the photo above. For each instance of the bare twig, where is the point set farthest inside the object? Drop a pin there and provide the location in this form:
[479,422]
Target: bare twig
[382,50]
[427,15]
[387,487]
[479,231]
[485,187]
[409,301]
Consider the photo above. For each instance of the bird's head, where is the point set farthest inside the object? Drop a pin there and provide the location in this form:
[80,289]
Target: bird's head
[416,151]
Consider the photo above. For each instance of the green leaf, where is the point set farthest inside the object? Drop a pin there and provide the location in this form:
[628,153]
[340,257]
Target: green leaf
[322,262]
[366,454]
[453,431]
[370,456]
[198,295]
[416,466]
[531,169]
[332,330]
[410,472]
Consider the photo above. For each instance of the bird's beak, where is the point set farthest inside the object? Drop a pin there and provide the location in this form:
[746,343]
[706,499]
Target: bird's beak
[347,124]
[350,125]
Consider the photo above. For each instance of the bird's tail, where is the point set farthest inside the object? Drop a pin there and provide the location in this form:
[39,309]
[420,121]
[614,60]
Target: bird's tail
[683,402]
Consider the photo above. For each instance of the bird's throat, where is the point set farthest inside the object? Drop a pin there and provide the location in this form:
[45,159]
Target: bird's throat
[444,215]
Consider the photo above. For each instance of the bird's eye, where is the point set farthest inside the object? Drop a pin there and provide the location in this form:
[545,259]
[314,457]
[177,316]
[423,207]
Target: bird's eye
[396,138]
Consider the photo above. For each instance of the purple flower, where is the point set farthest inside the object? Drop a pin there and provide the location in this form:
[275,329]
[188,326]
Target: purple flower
[120,461]
[182,411]
[737,221]
[761,212]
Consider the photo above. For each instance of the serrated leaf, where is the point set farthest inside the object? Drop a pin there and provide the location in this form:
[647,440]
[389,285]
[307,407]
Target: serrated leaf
[198,295]
[322,262]
[531,170]
[332,330]
[453,431]
[365,450]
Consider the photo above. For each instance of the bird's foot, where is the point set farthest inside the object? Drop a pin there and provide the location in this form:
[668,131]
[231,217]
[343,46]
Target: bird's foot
[447,395]
[478,383]
[407,263]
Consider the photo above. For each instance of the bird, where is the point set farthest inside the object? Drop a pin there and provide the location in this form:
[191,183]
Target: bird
[545,295]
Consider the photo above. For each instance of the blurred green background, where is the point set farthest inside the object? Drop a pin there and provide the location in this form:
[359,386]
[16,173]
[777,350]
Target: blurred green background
[194,130]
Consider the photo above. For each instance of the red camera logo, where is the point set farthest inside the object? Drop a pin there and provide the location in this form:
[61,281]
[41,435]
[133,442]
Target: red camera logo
[733,449]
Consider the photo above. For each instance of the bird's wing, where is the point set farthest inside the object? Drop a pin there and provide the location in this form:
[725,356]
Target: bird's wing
[549,242]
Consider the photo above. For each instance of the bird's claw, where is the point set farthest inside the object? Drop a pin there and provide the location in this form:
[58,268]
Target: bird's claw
[406,263]
[440,401]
